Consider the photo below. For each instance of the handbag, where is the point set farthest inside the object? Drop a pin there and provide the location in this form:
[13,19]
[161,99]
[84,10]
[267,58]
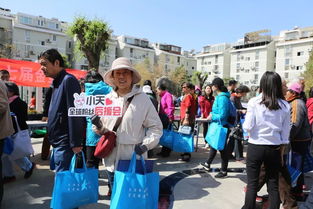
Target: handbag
[135,191]
[183,142]
[236,132]
[167,137]
[75,187]
[294,164]
[216,136]
[8,145]
[184,130]
[107,141]
[22,143]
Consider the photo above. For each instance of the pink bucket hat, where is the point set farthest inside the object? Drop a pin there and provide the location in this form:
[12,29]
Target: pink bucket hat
[118,64]
[296,87]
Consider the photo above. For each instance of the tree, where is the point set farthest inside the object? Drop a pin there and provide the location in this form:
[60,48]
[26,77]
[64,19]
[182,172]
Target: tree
[199,78]
[67,64]
[92,38]
[178,76]
[308,74]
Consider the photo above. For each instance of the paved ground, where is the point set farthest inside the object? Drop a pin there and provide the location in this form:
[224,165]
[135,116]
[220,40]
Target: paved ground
[192,186]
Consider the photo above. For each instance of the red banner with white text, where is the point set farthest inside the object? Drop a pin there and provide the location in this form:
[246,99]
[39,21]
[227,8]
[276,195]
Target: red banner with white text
[26,73]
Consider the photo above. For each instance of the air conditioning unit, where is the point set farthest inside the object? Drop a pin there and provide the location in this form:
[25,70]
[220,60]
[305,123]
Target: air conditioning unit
[31,52]
[292,66]
[48,40]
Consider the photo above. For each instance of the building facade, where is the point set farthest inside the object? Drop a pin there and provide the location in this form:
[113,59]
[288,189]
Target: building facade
[138,50]
[293,51]
[214,60]
[6,32]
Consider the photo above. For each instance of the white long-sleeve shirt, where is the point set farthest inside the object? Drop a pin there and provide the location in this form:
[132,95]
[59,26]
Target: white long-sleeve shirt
[267,127]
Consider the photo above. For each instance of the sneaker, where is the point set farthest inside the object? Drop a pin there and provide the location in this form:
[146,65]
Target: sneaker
[185,157]
[221,174]
[206,165]
[259,199]
[30,172]
[8,179]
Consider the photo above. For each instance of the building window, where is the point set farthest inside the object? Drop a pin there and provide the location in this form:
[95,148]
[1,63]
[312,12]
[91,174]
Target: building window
[287,62]
[288,51]
[26,20]
[42,43]
[238,56]
[256,76]
[192,68]
[247,58]
[178,60]
[216,59]
[238,66]
[286,75]
[69,44]
[131,52]
[300,53]
[237,77]
[257,54]
[27,35]
[299,67]
[57,26]
[54,37]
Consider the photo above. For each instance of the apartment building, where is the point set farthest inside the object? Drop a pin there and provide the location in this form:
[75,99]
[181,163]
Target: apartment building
[35,34]
[251,57]
[293,51]
[6,32]
[137,50]
[214,60]
[169,57]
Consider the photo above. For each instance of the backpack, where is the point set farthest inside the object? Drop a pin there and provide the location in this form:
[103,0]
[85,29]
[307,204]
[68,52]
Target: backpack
[232,114]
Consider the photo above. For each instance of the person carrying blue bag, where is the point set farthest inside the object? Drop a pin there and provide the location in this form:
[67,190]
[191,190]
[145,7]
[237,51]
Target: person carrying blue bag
[134,190]
[140,128]
[218,118]
[75,187]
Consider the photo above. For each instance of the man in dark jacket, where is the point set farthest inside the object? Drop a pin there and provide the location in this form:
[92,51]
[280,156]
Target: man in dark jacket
[65,133]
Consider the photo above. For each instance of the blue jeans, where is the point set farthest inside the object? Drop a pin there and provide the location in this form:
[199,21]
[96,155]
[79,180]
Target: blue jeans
[24,163]
[61,158]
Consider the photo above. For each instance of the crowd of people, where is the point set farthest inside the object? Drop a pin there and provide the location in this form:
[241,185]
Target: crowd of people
[279,120]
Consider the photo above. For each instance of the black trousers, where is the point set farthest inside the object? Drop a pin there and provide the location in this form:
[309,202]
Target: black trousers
[92,161]
[205,129]
[224,155]
[269,155]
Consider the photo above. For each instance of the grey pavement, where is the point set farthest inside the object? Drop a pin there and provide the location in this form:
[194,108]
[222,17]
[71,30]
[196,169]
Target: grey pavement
[196,190]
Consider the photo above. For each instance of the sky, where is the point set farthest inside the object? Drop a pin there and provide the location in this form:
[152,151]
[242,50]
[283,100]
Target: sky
[190,24]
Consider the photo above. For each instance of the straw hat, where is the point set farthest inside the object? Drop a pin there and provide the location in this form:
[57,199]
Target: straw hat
[118,64]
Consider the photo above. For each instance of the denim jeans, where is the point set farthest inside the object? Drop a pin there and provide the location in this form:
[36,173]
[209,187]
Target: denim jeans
[256,156]
[24,163]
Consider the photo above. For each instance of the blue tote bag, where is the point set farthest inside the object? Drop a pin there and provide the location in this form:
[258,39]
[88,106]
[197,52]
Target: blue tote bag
[183,142]
[216,136]
[166,139]
[123,165]
[135,191]
[75,187]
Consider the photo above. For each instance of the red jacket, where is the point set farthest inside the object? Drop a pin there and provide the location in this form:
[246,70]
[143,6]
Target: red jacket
[205,106]
[189,105]
[309,105]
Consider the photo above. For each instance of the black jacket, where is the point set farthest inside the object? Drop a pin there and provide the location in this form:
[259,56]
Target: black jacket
[63,130]
[19,108]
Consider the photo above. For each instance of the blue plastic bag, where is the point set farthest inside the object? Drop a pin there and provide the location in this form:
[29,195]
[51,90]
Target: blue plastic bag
[166,139]
[307,162]
[135,191]
[294,165]
[75,187]
[183,142]
[216,136]
[123,165]
[8,145]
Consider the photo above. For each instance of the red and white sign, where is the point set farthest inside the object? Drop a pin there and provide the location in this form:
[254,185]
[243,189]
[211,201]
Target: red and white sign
[26,73]
[95,104]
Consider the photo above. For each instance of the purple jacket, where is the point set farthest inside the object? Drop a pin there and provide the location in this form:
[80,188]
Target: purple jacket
[167,104]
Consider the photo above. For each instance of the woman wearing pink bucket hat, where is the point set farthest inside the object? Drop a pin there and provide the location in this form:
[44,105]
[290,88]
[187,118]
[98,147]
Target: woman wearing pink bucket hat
[141,127]
[300,136]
